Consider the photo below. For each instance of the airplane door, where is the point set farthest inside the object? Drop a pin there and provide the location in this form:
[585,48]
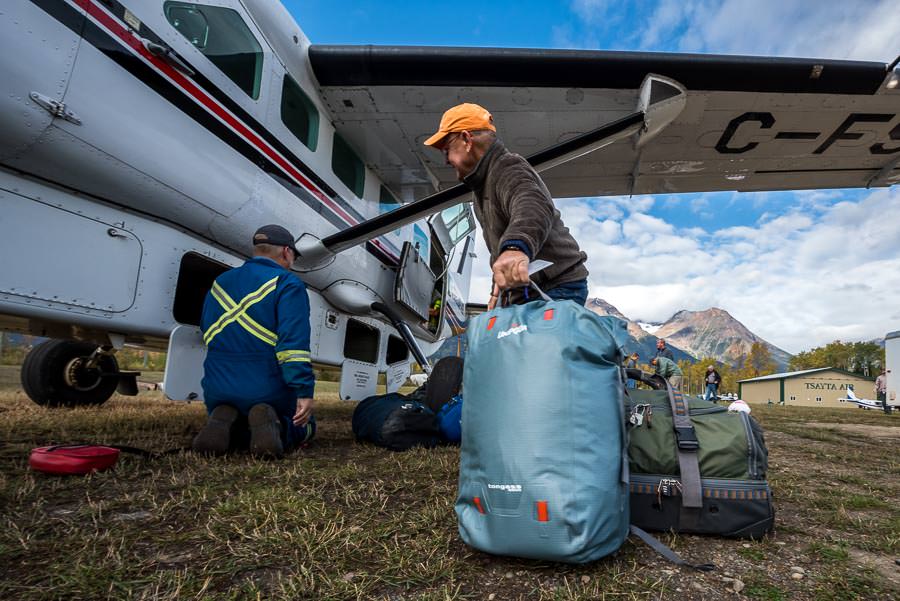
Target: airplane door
[450,252]
[459,222]
[415,281]
[35,76]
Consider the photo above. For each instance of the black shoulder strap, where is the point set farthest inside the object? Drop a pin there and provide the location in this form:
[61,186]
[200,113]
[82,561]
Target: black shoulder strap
[668,553]
[145,453]
[124,449]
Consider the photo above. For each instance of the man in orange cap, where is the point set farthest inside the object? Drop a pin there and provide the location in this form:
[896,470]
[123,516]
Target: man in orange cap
[518,218]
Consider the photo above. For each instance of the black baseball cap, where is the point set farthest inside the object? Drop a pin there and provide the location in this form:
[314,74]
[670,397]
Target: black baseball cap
[276,236]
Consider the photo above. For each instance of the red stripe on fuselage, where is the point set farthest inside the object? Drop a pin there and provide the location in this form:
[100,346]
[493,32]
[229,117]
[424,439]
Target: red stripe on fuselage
[133,42]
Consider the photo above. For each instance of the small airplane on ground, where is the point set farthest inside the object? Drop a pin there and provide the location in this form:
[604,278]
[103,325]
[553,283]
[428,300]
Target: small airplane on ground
[144,141]
[866,403]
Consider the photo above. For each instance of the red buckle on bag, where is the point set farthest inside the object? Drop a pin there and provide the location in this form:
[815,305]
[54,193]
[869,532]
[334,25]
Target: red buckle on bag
[491,322]
[542,514]
[548,314]
[477,501]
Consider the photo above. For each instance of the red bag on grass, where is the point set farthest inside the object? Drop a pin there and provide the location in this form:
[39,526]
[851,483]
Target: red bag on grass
[73,459]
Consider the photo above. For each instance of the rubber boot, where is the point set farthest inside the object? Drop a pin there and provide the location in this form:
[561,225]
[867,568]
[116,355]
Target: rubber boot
[265,431]
[215,436]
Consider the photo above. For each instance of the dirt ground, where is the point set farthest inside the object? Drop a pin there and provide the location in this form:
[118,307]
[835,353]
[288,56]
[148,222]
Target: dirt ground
[343,520]
[863,429]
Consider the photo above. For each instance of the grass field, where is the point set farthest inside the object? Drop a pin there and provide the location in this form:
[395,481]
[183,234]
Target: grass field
[342,520]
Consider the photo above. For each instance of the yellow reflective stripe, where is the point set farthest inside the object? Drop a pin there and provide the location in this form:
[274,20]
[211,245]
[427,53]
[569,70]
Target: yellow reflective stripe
[227,304]
[248,323]
[239,310]
[288,356]
[296,360]
[252,327]
[220,295]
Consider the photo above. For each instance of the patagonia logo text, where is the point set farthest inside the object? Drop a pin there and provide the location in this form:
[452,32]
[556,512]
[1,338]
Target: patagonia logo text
[511,331]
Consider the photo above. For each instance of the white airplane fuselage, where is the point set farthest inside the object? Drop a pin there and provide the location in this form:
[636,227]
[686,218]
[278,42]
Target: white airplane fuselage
[131,176]
[865,403]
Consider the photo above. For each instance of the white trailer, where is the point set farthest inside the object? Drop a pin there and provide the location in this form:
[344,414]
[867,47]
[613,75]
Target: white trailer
[892,364]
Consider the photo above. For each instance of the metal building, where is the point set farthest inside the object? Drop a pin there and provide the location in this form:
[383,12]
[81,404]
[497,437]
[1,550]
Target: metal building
[821,387]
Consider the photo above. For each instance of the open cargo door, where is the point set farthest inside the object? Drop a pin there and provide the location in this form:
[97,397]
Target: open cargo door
[415,282]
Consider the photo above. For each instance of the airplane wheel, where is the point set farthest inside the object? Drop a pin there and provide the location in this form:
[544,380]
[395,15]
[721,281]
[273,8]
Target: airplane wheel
[54,374]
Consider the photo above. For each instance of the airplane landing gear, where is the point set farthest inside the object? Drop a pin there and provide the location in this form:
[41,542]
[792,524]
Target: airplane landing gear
[69,373]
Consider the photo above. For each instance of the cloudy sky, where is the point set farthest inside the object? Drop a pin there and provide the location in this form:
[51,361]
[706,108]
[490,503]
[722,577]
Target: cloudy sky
[799,268]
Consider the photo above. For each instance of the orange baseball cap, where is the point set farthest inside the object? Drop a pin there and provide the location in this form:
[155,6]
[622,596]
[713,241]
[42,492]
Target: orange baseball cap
[462,117]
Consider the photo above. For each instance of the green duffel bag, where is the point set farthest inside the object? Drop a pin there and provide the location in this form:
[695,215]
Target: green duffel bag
[695,467]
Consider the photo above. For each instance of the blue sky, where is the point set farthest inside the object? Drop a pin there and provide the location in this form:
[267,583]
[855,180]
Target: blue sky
[798,268]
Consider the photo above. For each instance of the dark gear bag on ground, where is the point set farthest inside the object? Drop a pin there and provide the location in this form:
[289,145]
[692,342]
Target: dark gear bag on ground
[450,420]
[400,422]
[702,471]
[395,421]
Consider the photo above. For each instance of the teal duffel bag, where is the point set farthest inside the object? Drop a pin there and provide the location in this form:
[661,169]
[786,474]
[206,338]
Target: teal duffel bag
[695,466]
[542,472]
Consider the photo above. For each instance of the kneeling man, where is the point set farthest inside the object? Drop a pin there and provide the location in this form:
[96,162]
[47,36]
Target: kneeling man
[258,380]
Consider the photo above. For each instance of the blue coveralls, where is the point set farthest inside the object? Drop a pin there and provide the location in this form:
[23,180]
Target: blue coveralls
[255,325]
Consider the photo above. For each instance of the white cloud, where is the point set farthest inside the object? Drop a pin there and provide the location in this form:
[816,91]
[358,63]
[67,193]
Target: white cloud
[838,30]
[859,30]
[591,11]
[795,281]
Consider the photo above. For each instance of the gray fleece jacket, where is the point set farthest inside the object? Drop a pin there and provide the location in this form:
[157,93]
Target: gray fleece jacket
[512,203]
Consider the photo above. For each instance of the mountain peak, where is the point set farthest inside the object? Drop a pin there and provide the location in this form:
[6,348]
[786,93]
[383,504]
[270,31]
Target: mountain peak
[712,332]
[601,307]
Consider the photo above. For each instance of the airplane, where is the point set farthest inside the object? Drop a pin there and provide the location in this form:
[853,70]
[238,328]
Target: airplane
[866,403]
[145,140]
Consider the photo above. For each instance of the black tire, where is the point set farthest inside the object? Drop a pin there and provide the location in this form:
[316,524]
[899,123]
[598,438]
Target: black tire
[444,382]
[47,383]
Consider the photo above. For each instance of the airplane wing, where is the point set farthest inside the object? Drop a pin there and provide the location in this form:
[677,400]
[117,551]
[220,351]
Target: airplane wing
[749,123]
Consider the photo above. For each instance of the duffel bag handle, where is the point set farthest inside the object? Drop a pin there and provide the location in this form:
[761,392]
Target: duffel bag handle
[654,381]
[506,293]
[533,267]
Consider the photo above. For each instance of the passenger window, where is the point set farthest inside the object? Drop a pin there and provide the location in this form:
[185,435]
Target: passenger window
[386,201]
[298,113]
[347,166]
[223,37]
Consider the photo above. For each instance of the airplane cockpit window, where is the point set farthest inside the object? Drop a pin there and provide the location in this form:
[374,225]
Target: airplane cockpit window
[347,166]
[459,222]
[223,37]
[298,113]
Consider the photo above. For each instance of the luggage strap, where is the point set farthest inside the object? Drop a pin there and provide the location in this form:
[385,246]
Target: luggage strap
[668,553]
[688,448]
[531,284]
[123,449]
